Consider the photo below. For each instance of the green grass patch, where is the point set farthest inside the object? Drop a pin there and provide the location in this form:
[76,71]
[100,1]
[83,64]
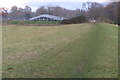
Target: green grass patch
[65,51]
[32,22]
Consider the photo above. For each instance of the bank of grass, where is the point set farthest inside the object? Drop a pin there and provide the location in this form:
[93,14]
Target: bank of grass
[66,51]
[15,22]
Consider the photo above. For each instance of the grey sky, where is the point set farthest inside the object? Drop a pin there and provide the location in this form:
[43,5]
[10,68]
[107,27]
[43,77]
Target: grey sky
[34,4]
[67,5]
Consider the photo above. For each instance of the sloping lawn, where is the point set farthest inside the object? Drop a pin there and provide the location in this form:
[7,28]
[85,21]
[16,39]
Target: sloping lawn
[65,51]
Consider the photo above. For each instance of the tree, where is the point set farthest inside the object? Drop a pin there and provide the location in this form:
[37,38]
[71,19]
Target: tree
[112,12]
[20,13]
[13,12]
[4,13]
[27,12]
[119,13]
[41,10]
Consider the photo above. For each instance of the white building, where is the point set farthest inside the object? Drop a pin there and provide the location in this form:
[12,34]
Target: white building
[47,17]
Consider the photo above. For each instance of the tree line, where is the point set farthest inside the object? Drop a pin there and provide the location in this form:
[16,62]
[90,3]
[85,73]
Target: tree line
[91,10]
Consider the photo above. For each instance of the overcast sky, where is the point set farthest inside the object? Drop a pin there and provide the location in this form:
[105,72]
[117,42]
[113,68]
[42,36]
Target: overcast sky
[34,4]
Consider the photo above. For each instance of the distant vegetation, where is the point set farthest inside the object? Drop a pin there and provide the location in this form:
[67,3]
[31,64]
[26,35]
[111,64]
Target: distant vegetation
[91,10]
[75,20]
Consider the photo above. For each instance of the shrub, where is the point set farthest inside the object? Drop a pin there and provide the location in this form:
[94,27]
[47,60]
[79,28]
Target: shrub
[80,19]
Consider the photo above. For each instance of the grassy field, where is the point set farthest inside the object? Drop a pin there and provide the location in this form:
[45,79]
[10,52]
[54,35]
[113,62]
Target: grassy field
[0,50]
[65,51]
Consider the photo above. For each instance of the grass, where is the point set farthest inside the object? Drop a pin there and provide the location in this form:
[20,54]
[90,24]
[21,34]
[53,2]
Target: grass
[33,22]
[65,51]
[0,50]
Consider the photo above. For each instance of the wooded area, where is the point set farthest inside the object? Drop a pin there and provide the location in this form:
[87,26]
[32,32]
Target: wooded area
[91,10]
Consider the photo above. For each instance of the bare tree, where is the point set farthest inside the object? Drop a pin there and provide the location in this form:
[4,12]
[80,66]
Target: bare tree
[41,10]
[27,12]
